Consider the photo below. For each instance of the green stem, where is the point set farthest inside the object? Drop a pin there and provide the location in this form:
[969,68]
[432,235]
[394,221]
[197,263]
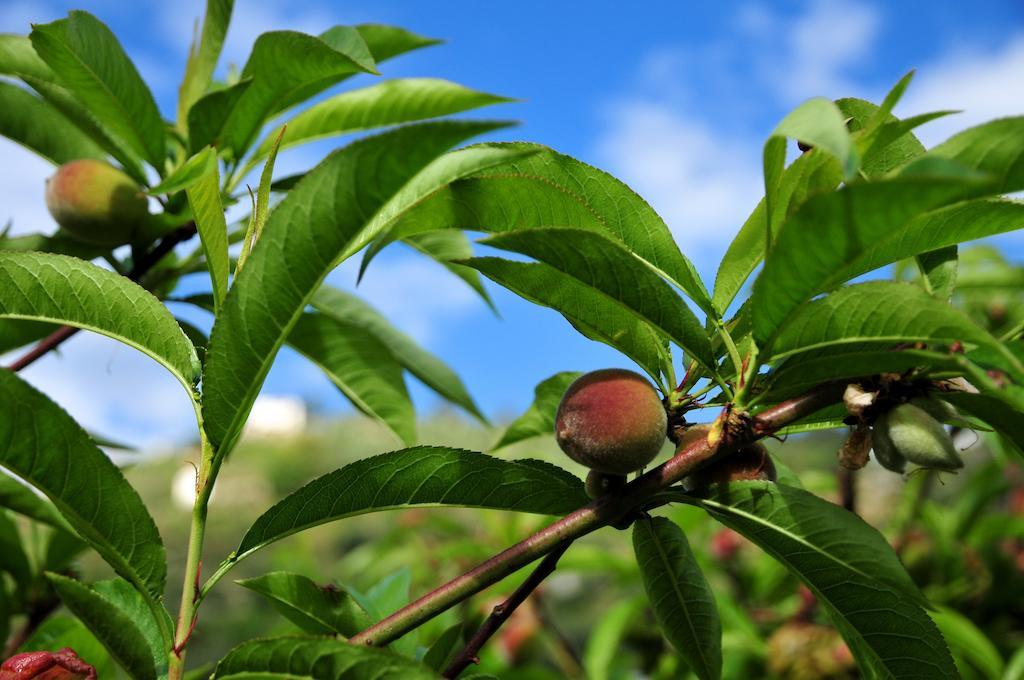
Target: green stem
[190,586]
[730,346]
[603,511]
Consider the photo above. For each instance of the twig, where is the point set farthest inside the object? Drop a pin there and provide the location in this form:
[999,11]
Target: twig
[143,265]
[503,611]
[603,511]
[847,489]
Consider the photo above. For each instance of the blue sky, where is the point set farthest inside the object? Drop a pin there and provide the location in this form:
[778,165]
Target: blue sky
[675,99]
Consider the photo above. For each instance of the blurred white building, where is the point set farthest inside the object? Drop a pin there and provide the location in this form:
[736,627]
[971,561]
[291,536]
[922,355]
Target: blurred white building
[277,416]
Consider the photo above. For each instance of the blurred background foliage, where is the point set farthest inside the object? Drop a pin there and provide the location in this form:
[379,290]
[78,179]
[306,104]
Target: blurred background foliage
[961,537]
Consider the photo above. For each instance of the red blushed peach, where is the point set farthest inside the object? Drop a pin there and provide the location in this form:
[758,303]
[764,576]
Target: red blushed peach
[612,421]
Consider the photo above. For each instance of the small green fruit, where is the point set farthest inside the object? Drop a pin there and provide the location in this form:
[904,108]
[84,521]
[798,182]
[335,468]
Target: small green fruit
[885,451]
[601,483]
[612,421]
[940,410]
[916,437]
[96,203]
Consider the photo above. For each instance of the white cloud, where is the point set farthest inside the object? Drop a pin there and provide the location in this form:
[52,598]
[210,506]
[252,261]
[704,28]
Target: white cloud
[984,84]
[702,183]
[821,45]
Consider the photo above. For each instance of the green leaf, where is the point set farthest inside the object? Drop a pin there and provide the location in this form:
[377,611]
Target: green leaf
[422,475]
[429,369]
[188,173]
[359,365]
[13,559]
[445,246]
[114,626]
[679,594]
[549,189]
[540,417]
[811,173]
[306,237]
[817,122]
[41,444]
[817,246]
[590,312]
[61,631]
[261,205]
[313,608]
[970,646]
[394,101]
[386,41]
[100,131]
[305,658]
[208,115]
[202,57]
[848,566]
[69,291]
[878,311]
[1006,420]
[995,148]
[91,63]
[284,66]
[606,637]
[39,127]
[19,58]
[937,230]
[606,266]
[208,212]
[18,498]
[1015,666]
[443,650]
[803,370]
[886,142]
[938,269]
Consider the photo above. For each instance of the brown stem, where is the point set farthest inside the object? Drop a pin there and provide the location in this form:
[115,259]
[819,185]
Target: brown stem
[589,518]
[848,489]
[501,613]
[142,265]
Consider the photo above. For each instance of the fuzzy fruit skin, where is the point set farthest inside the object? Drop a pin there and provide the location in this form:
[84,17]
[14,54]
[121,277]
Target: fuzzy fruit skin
[885,451]
[919,438]
[95,202]
[938,409]
[611,421]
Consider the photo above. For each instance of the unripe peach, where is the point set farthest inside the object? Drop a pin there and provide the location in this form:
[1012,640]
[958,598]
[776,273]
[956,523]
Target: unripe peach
[916,437]
[95,202]
[612,421]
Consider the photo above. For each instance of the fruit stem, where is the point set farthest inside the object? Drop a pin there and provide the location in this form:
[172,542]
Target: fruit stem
[605,510]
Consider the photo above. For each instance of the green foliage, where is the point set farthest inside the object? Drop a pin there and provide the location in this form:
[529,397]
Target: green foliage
[316,658]
[418,476]
[46,448]
[316,609]
[679,594]
[864,195]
